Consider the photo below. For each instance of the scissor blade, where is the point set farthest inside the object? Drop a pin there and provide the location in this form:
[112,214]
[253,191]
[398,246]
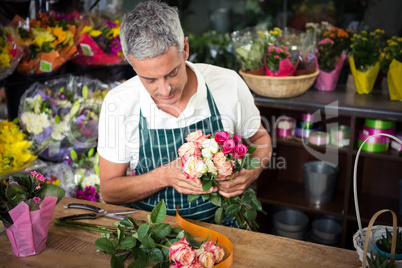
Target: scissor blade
[82,216]
[120,211]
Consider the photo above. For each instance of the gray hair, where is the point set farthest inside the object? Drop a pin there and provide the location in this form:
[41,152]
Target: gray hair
[150,29]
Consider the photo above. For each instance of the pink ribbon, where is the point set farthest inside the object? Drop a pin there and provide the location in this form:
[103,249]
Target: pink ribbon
[373,140]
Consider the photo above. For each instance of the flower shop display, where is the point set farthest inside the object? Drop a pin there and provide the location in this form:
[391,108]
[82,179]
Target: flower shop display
[365,59]
[86,175]
[15,149]
[62,114]
[392,66]
[27,204]
[158,243]
[99,42]
[47,44]
[10,51]
[214,158]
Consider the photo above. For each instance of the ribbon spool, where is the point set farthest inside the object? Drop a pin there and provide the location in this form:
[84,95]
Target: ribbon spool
[376,144]
[373,140]
[379,124]
[371,131]
[340,136]
[318,138]
[306,117]
[285,126]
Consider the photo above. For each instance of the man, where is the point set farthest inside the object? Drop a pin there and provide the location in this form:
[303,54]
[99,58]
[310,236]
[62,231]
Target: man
[145,120]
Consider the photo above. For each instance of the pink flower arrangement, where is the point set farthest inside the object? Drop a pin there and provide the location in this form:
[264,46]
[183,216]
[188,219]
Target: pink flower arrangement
[214,158]
[182,254]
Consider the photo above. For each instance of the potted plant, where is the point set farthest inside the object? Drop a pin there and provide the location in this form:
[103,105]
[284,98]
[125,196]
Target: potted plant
[384,245]
[392,66]
[379,261]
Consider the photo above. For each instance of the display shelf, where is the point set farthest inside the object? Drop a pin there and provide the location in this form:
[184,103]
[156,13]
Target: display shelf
[378,173]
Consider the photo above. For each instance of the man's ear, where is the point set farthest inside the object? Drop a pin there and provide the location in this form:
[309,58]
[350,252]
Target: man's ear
[186,48]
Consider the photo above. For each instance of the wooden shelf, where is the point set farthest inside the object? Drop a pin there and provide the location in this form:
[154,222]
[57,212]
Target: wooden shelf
[292,194]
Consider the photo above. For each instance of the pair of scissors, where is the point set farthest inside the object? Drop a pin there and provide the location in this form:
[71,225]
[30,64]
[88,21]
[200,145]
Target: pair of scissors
[98,212]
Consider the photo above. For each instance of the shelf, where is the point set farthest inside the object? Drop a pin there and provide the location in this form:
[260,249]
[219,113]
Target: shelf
[292,194]
[369,204]
[390,155]
[297,142]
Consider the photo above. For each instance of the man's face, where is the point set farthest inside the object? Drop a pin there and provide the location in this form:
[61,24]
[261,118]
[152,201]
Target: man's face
[164,76]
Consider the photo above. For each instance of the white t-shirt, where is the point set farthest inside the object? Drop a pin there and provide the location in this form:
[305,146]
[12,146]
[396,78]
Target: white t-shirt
[118,140]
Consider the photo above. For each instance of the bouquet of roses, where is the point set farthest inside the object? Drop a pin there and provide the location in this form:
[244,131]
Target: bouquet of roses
[10,51]
[213,158]
[86,175]
[47,43]
[100,42]
[15,148]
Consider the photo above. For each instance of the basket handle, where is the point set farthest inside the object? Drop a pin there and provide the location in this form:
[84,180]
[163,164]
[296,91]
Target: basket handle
[359,222]
[394,232]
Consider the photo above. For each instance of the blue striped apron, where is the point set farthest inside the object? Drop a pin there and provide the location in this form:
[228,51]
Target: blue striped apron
[158,147]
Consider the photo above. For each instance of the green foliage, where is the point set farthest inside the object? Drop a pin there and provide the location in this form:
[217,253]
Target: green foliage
[379,261]
[385,243]
[393,51]
[148,242]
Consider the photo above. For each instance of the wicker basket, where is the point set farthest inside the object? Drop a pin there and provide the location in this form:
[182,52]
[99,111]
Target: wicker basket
[279,87]
[363,244]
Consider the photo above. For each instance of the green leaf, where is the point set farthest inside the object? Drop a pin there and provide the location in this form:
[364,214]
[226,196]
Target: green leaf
[251,214]
[85,91]
[216,200]
[219,215]
[206,185]
[205,196]
[141,262]
[96,168]
[246,198]
[57,119]
[251,149]
[162,230]
[143,230]
[128,242]
[192,198]
[233,209]
[52,190]
[74,155]
[255,202]
[148,242]
[249,162]
[137,252]
[158,214]
[105,245]
[156,255]
[116,262]
[91,152]
[120,233]
[74,109]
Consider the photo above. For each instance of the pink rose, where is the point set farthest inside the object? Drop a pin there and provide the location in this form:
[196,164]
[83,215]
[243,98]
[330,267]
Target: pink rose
[218,252]
[239,151]
[225,167]
[236,138]
[190,167]
[181,253]
[206,259]
[189,149]
[228,146]
[197,137]
[221,137]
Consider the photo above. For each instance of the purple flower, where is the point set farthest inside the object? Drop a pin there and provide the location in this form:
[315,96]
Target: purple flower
[110,24]
[115,46]
[80,119]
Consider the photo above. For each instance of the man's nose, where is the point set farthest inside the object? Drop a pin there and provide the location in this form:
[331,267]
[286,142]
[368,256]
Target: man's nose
[165,88]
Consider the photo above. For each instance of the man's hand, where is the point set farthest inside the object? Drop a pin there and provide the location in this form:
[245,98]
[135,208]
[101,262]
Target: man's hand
[176,178]
[240,182]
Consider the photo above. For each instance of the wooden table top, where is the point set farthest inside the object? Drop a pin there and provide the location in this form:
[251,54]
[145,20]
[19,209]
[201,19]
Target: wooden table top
[71,247]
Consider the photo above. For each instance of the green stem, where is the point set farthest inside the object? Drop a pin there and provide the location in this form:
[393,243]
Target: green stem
[162,246]
[86,227]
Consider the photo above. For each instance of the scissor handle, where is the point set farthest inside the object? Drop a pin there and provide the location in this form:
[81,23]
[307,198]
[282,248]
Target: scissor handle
[78,217]
[84,206]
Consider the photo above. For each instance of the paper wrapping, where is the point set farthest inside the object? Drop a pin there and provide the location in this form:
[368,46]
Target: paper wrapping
[285,68]
[326,81]
[212,235]
[91,54]
[395,80]
[28,233]
[364,81]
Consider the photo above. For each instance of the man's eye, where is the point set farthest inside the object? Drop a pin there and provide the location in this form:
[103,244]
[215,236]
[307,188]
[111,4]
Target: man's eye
[150,81]
[174,73]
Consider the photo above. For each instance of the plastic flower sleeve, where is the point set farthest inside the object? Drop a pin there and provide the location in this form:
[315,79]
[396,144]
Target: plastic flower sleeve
[10,51]
[249,48]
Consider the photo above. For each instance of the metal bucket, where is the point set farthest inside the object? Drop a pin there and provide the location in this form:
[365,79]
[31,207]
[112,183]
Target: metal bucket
[319,181]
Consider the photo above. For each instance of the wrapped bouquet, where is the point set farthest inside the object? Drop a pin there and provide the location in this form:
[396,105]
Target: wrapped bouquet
[10,51]
[214,158]
[392,66]
[47,44]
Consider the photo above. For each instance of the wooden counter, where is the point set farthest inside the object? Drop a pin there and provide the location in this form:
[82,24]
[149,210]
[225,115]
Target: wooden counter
[70,247]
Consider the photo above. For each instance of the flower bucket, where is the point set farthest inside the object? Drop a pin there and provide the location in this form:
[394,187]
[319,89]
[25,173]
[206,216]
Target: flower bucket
[364,81]
[327,81]
[28,233]
[395,80]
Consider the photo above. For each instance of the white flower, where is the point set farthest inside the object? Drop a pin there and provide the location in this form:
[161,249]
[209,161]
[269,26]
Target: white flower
[35,103]
[201,168]
[209,148]
[211,166]
[59,130]
[91,180]
[35,123]
[63,103]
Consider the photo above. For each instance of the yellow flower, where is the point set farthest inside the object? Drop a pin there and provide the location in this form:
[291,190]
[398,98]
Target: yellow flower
[87,29]
[115,31]
[60,34]
[42,36]
[5,59]
[95,33]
